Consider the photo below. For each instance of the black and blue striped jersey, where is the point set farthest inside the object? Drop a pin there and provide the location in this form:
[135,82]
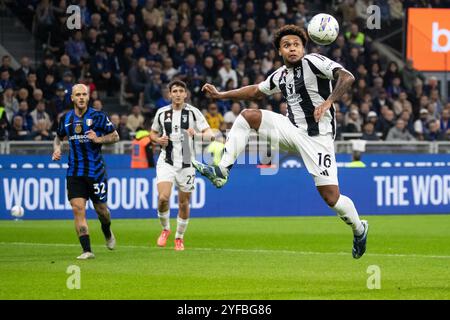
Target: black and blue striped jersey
[85,157]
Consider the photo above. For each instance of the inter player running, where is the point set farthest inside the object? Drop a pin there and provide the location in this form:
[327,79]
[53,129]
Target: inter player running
[174,127]
[86,129]
[309,127]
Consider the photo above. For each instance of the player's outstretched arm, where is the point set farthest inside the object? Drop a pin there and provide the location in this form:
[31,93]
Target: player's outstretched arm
[344,82]
[251,92]
[112,137]
[56,149]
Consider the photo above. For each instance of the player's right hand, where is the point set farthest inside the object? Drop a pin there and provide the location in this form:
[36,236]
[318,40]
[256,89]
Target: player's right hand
[163,141]
[56,155]
[211,91]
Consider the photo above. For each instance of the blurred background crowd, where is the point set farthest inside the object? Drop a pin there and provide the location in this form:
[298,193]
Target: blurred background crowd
[130,50]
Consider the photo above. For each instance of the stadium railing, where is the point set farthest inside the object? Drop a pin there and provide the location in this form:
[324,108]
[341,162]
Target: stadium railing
[124,147]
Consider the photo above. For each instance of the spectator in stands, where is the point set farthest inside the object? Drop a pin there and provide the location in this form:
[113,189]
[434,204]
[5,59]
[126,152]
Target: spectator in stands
[21,74]
[213,117]
[399,132]
[6,65]
[49,87]
[226,73]
[369,133]
[191,73]
[353,121]
[4,123]
[391,72]
[10,103]
[230,116]
[354,36]
[409,75]
[405,115]
[380,101]
[387,121]
[165,98]
[420,125]
[168,69]
[135,119]
[5,80]
[434,132]
[97,104]
[38,95]
[17,131]
[139,77]
[445,120]
[121,126]
[47,67]
[25,115]
[394,89]
[436,103]
[41,131]
[76,48]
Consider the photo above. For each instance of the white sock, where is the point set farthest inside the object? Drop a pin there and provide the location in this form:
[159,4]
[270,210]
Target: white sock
[236,141]
[181,227]
[164,219]
[346,210]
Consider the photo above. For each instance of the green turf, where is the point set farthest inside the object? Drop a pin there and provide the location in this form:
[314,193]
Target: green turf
[230,258]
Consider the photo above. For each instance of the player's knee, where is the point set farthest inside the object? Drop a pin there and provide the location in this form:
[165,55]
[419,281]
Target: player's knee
[253,117]
[330,196]
[163,199]
[78,209]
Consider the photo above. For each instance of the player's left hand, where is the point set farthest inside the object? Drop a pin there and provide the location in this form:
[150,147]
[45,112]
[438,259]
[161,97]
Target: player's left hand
[191,132]
[92,136]
[320,110]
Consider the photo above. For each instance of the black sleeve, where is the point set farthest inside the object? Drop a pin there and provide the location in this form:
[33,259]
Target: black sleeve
[149,154]
[61,132]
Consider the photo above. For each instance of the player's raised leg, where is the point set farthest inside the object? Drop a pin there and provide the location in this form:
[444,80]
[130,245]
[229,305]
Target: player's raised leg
[81,227]
[164,191]
[182,219]
[104,216]
[236,142]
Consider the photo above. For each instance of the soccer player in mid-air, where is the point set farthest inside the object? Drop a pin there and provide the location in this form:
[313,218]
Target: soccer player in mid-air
[86,130]
[309,127]
[174,128]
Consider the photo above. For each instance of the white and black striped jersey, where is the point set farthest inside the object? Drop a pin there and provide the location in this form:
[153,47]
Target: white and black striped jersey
[305,87]
[173,123]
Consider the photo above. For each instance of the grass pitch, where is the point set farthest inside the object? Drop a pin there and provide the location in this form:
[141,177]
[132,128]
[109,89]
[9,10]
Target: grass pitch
[230,258]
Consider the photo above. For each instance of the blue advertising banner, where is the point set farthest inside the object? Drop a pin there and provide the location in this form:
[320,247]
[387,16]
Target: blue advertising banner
[289,192]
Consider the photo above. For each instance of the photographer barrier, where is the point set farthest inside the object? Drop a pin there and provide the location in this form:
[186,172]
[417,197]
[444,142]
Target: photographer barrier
[289,192]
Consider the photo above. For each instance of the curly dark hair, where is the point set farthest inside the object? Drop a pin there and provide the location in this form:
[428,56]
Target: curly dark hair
[289,29]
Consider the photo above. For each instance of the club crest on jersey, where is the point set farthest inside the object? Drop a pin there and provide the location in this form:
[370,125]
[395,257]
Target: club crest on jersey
[89,122]
[298,72]
[184,118]
[78,128]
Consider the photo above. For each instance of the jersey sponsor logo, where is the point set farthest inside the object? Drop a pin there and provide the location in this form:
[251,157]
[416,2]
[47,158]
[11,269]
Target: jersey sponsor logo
[81,137]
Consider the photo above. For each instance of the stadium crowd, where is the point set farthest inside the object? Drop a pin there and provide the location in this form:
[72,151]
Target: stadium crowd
[134,48]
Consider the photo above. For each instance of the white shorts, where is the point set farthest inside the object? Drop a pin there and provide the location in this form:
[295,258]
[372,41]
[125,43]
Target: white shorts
[317,152]
[183,178]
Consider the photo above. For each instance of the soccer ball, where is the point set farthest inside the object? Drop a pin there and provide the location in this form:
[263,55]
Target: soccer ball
[17,211]
[323,29]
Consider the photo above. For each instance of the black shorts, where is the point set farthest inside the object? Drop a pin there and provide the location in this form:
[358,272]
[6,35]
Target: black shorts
[87,188]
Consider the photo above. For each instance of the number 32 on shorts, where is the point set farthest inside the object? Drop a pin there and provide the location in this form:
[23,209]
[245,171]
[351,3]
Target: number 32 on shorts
[324,159]
[99,188]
